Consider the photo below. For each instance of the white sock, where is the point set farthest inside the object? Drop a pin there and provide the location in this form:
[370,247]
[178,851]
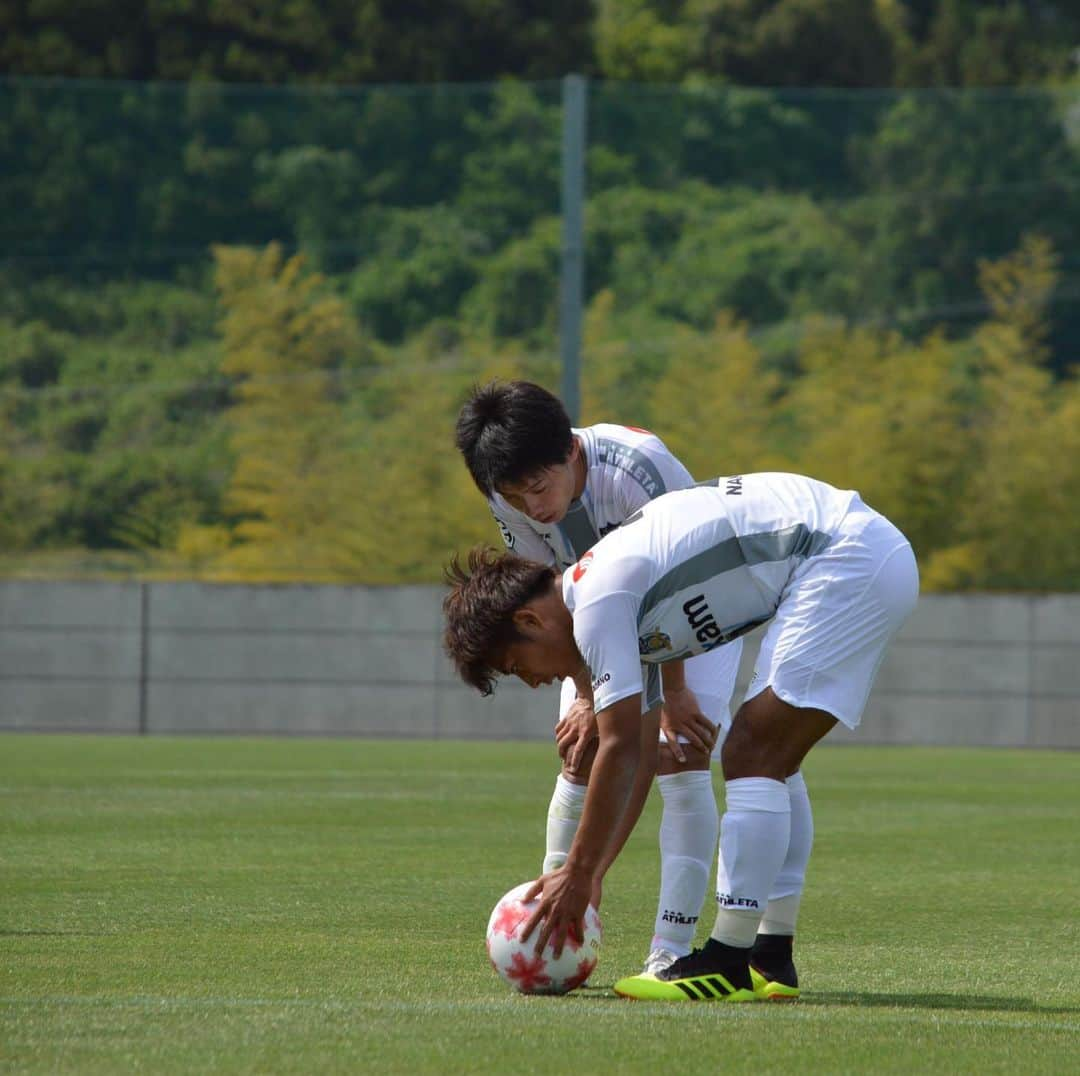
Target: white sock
[564,814]
[688,832]
[754,836]
[782,911]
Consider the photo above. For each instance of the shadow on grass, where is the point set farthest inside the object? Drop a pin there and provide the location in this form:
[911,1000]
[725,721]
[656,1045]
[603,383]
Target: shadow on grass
[869,1000]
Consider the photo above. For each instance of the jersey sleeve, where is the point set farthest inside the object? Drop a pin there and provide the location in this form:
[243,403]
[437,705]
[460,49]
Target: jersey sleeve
[519,537]
[606,634]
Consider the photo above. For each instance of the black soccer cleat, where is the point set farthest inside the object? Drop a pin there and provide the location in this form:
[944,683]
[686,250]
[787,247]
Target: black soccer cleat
[716,972]
[772,968]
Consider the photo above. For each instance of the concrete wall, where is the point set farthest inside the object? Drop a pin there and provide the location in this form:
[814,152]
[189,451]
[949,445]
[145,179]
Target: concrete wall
[195,658]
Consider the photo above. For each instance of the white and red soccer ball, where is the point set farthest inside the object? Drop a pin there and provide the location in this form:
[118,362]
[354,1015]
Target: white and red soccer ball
[543,973]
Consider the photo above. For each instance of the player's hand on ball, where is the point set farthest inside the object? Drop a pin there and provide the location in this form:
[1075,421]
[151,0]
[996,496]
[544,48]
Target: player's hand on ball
[520,967]
[563,900]
[681,716]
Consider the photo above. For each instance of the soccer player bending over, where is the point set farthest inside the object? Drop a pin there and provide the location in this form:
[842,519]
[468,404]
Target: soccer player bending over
[690,571]
[554,490]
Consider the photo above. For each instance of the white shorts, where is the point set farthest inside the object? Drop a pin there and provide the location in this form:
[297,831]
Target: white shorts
[823,648]
[710,676]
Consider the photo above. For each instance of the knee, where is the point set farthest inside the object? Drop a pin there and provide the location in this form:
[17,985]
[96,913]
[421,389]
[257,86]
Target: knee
[738,750]
[747,752]
[696,759]
[580,773]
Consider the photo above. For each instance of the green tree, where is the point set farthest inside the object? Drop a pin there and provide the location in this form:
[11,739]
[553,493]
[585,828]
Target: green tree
[283,339]
[642,40]
[324,40]
[427,260]
[765,257]
[981,42]
[1017,523]
[624,353]
[416,501]
[716,404]
[874,412]
[792,42]
[517,292]
[952,178]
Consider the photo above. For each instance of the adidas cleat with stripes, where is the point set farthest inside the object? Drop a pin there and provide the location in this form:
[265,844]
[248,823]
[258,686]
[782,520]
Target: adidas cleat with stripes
[715,973]
[694,988]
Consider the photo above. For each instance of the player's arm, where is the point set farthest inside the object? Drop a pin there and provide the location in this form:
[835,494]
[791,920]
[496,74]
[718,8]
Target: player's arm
[639,793]
[576,730]
[682,715]
[566,892]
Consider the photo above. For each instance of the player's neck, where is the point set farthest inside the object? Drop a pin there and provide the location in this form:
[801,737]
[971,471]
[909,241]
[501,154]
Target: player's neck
[581,469]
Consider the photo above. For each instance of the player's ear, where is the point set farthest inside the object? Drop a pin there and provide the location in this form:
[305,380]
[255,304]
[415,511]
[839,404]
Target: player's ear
[526,618]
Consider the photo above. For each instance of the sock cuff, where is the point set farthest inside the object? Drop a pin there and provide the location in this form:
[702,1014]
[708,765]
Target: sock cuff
[689,781]
[758,794]
[781,915]
[796,784]
[569,794]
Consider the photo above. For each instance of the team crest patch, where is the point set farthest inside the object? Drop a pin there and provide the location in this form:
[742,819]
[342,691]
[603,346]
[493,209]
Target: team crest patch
[653,643]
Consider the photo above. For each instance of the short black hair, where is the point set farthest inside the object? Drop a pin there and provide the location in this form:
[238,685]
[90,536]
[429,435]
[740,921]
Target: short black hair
[479,609]
[509,430]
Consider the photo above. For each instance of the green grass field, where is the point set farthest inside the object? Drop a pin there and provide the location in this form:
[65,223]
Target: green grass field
[279,906]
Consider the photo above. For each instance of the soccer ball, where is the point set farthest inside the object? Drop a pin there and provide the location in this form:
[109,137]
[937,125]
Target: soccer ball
[522,968]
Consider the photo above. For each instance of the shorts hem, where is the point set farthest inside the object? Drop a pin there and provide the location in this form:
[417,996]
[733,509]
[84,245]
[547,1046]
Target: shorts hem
[808,702]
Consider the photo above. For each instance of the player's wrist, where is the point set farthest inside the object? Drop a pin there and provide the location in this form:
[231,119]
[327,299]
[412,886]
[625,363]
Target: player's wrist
[581,867]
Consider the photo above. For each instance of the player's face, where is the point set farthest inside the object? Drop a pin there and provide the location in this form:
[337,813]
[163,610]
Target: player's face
[546,495]
[544,654]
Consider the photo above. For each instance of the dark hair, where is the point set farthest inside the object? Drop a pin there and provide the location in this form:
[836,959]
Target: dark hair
[507,431]
[480,607]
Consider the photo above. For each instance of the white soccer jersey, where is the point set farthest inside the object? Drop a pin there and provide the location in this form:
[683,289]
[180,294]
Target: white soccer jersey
[694,569]
[625,469]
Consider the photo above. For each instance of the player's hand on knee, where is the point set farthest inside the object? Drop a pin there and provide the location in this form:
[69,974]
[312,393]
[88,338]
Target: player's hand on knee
[681,716]
[575,733]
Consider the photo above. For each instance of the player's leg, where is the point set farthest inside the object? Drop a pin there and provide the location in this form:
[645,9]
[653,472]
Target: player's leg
[568,798]
[766,736]
[771,959]
[690,821]
[772,962]
[818,661]
[689,827]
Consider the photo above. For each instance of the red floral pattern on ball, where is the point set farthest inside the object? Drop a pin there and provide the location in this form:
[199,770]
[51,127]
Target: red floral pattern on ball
[528,974]
[511,916]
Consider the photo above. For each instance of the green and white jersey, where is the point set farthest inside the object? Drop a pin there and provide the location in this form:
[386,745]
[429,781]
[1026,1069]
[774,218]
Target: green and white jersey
[625,469]
[693,570]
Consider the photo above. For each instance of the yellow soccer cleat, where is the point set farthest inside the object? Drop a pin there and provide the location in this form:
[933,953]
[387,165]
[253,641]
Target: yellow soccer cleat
[769,989]
[696,988]
[714,973]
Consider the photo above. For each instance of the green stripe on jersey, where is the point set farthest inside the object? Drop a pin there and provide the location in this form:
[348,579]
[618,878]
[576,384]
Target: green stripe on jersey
[738,551]
[634,462]
[577,529]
